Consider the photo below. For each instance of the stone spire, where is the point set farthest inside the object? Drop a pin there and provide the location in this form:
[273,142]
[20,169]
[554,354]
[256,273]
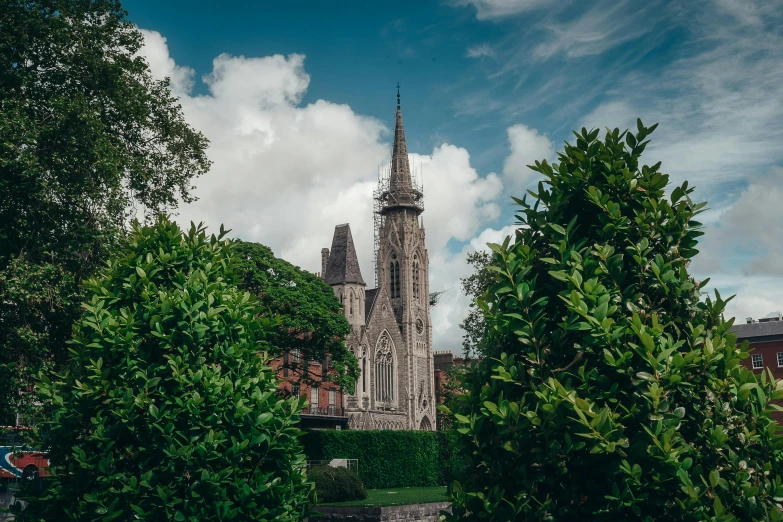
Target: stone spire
[402,193]
[342,266]
[400,169]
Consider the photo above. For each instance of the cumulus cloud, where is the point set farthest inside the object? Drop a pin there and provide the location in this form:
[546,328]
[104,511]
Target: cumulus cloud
[527,146]
[446,270]
[284,174]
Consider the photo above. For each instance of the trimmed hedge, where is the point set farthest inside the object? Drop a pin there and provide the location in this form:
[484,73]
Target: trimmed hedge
[388,459]
[336,484]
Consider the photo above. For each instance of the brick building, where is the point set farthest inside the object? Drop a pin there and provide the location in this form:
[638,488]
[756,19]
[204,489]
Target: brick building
[325,409]
[765,337]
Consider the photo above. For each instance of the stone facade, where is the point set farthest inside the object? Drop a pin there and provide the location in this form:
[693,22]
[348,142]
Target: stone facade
[391,325]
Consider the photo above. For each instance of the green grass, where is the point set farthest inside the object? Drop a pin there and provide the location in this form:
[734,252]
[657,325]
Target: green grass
[397,497]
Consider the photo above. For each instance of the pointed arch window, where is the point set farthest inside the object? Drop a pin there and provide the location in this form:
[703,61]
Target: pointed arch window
[394,277]
[384,370]
[351,306]
[416,283]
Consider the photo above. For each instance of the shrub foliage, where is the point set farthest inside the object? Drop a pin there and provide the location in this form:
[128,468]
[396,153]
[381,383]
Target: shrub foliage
[610,390]
[388,459]
[336,484]
[167,410]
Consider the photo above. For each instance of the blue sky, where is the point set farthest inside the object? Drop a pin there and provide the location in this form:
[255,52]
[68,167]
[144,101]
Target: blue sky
[298,102]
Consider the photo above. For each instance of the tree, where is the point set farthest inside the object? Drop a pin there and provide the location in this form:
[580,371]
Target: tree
[474,286]
[86,136]
[452,386]
[309,312]
[610,390]
[167,410]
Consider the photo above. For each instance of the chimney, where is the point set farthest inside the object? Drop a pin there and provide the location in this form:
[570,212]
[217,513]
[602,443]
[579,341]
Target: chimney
[324,259]
[749,320]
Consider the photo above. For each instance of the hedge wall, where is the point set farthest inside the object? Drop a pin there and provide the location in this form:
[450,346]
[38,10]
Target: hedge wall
[388,459]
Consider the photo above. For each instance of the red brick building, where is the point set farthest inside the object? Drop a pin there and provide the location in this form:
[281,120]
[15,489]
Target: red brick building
[765,337]
[326,409]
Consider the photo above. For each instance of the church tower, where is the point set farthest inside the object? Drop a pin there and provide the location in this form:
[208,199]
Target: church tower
[403,275]
[391,334]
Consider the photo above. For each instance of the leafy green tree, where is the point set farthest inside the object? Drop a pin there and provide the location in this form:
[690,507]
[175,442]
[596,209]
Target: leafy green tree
[452,386]
[610,390]
[167,410]
[474,286]
[309,312]
[86,136]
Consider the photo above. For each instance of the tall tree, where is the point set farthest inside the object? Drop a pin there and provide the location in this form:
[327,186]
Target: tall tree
[310,318]
[609,390]
[474,287]
[167,409]
[86,136]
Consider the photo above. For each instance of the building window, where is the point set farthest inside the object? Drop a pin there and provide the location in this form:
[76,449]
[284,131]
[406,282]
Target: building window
[351,306]
[394,277]
[384,370]
[332,402]
[780,359]
[295,390]
[415,277]
[758,361]
[314,400]
[397,278]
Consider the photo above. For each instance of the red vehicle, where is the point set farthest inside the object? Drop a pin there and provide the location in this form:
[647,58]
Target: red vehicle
[16,463]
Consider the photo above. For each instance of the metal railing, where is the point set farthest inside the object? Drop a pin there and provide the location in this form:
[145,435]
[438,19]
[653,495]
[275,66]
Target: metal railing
[334,411]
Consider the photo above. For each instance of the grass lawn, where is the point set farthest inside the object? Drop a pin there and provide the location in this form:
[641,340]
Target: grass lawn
[397,496]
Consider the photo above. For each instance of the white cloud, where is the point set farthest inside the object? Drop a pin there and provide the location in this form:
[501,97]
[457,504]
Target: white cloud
[284,174]
[156,52]
[527,145]
[477,51]
[446,270]
[495,9]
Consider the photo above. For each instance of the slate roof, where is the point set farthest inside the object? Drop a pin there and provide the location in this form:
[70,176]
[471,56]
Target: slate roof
[342,266]
[766,331]
[369,303]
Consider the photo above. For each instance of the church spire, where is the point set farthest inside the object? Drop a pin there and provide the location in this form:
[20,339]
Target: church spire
[402,193]
[400,169]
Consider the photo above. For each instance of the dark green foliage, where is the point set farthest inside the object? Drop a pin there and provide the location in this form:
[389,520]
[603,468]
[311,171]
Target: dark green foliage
[309,312]
[452,386]
[388,459]
[86,135]
[474,286]
[336,484]
[167,410]
[610,390]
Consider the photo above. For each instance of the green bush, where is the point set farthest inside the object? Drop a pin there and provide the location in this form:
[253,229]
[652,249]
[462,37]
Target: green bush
[168,410]
[336,484]
[388,459]
[609,390]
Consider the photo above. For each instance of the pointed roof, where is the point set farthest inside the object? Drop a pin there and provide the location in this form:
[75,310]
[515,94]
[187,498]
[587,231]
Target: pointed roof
[402,192]
[343,265]
[400,177]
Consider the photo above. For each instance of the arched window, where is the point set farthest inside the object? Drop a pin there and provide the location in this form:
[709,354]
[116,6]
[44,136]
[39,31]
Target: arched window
[416,277]
[397,278]
[394,277]
[391,279]
[384,370]
[351,300]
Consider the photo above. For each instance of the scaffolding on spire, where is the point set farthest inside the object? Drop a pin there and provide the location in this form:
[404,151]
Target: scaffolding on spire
[384,198]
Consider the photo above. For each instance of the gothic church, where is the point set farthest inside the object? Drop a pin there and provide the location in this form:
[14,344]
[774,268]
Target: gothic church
[391,325]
